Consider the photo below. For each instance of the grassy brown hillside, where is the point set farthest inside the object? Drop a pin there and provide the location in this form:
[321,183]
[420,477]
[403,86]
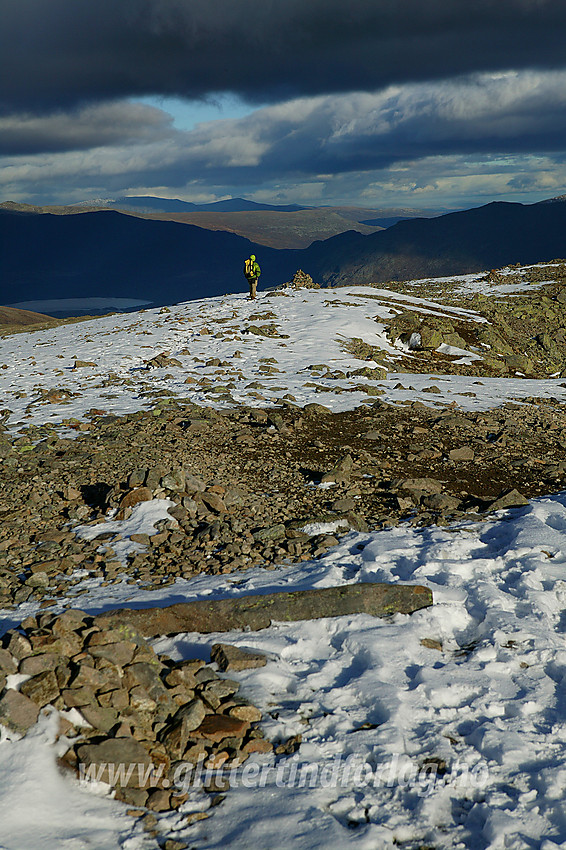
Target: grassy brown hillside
[275,229]
[32,209]
[13,319]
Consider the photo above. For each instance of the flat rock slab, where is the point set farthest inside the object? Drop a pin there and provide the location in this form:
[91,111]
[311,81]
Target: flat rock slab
[124,755]
[258,612]
[230,657]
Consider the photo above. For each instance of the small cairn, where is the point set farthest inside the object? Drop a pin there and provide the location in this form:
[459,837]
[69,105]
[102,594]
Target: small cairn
[120,704]
[302,280]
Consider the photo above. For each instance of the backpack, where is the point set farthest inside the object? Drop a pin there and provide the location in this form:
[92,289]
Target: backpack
[251,269]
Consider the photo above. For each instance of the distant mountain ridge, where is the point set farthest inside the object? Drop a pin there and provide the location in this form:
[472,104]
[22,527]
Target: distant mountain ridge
[267,224]
[557,199]
[271,227]
[151,204]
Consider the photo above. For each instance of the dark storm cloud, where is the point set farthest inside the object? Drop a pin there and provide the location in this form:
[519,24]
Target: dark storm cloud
[100,125]
[333,134]
[63,52]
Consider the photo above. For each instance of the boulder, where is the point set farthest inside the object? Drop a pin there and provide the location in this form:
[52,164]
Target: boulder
[462,454]
[424,485]
[258,612]
[134,497]
[216,727]
[17,711]
[441,502]
[340,472]
[124,756]
[509,499]
[42,689]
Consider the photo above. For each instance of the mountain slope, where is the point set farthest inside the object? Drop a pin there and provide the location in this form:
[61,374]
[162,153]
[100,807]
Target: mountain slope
[456,243]
[439,729]
[277,227]
[110,254]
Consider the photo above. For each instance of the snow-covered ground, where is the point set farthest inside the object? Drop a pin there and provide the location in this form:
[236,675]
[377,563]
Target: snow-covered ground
[457,742]
[313,327]
[471,284]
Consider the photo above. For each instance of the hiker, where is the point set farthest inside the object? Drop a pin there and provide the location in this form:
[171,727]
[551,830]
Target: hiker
[252,271]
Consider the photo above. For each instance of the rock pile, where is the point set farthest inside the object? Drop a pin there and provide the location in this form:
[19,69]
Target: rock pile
[302,280]
[121,704]
[161,360]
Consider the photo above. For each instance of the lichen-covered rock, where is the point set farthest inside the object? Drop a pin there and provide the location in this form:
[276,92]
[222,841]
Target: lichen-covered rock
[430,337]
[519,363]
[41,689]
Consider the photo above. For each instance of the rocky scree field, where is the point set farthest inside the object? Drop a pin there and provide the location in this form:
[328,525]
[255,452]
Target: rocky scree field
[241,491]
